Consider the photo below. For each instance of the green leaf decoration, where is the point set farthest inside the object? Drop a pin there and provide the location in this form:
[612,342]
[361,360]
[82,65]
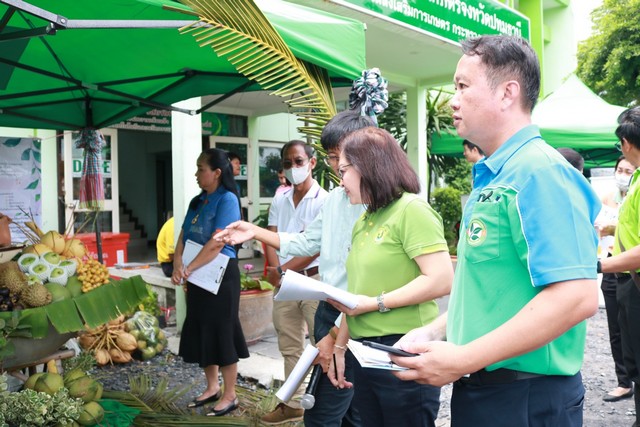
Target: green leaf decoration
[36,319]
[97,306]
[94,308]
[37,143]
[36,156]
[25,154]
[37,197]
[64,316]
[33,185]
[238,31]
[12,142]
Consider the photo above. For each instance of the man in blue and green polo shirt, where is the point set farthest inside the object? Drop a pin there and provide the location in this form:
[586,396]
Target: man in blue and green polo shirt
[526,275]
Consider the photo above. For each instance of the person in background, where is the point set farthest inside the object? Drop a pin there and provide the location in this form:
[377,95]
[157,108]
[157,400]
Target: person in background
[398,265]
[165,247]
[284,182]
[235,163]
[606,223]
[292,212]
[5,231]
[525,281]
[211,334]
[573,157]
[471,152]
[625,261]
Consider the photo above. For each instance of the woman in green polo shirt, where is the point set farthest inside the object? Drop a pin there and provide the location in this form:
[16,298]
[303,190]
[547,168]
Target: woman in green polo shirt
[398,265]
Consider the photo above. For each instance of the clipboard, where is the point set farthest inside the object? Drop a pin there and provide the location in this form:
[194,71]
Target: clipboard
[209,276]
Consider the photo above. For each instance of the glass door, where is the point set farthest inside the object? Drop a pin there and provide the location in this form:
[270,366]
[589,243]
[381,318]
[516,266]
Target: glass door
[82,219]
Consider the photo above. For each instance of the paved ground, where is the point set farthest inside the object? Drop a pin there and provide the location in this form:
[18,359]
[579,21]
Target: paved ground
[265,365]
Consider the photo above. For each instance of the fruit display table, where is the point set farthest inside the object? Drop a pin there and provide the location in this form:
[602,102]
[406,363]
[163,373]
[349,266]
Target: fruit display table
[52,325]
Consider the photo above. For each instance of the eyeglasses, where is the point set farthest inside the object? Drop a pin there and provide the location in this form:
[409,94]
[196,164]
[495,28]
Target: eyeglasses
[288,164]
[331,160]
[341,170]
[618,145]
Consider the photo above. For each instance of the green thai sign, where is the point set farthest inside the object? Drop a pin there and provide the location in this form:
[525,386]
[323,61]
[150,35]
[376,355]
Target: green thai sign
[452,20]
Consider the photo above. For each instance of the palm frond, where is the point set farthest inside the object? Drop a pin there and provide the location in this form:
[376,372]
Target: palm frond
[159,398]
[238,31]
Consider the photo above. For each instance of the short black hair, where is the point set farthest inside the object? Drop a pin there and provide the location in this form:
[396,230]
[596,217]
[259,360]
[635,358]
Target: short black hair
[573,157]
[508,58]
[233,156]
[342,124]
[629,126]
[471,146]
[308,149]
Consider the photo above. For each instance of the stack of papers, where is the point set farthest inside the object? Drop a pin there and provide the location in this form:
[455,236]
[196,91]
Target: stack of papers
[371,358]
[296,287]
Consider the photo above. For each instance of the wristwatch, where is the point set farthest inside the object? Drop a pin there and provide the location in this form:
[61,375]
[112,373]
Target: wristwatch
[381,307]
[279,270]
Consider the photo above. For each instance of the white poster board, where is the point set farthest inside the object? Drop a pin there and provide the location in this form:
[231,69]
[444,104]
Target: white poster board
[20,182]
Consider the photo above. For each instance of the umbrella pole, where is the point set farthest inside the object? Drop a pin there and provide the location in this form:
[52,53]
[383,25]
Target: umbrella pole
[98,238]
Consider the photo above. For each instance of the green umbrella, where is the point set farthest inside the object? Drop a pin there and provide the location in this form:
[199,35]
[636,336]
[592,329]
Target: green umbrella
[73,64]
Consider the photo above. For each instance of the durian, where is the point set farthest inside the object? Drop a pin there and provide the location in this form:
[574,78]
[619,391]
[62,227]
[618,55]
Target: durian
[35,296]
[12,278]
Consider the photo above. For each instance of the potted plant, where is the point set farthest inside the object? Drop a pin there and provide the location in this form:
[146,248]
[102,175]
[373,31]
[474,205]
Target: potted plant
[256,303]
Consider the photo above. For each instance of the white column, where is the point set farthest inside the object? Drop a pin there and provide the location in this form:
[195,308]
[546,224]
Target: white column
[186,146]
[253,169]
[417,134]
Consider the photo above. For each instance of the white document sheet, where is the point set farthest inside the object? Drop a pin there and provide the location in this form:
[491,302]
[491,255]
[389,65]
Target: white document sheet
[298,374]
[371,358]
[296,286]
[210,275]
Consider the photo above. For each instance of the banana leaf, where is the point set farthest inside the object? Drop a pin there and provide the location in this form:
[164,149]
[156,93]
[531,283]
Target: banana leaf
[111,300]
[64,316]
[36,320]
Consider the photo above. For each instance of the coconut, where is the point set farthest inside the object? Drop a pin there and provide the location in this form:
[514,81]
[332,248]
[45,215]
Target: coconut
[49,383]
[74,248]
[92,413]
[57,291]
[86,341]
[74,285]
[102,357]
[31,381]
[38,249]
[73,375]
[120,356]
[84,388]
[25,261]
[54,240]
[125,341]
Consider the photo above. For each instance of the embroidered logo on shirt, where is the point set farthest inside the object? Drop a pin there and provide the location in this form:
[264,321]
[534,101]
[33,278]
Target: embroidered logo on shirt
[380,235]
[476,232]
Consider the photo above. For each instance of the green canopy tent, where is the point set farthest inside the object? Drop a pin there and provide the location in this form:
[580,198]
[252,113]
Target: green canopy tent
[87,65]
[572,116]
[73,64]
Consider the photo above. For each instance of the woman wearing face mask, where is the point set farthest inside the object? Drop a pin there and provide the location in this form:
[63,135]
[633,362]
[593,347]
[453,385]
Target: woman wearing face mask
[606,224]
